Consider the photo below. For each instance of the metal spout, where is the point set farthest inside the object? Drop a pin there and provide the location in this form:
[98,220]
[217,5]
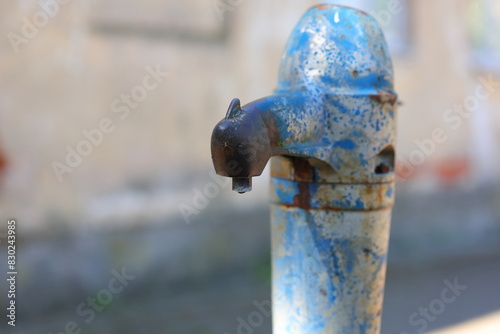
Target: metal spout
[242,184]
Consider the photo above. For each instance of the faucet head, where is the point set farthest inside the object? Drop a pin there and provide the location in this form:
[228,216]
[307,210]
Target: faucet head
[334,103]
[240,146]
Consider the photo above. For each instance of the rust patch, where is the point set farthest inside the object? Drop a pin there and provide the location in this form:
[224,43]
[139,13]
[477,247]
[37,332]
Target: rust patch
[302,170]
[380,196]
[303,198]
[358,11]
[326,6]
[322,291]
[384,97]
[366,251]
[272,131]
[323,6]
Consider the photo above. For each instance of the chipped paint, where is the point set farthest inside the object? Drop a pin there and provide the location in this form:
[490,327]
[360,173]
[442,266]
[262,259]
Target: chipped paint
[330,209]
[339,260]
[330,128]
[330,196]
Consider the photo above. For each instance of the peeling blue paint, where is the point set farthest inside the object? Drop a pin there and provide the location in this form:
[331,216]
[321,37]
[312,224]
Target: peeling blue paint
[359,204]
[347,144]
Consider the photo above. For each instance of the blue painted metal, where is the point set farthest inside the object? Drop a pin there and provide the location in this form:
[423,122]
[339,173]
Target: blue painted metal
[330,126]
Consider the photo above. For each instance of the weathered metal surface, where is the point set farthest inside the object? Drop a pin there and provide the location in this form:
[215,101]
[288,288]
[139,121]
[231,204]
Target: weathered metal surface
[354,197]
[329,268]
[330,126]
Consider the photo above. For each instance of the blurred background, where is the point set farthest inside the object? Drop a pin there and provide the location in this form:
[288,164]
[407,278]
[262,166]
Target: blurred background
[106,112]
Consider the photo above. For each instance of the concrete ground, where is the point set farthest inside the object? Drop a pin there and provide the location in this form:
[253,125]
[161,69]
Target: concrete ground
[214,305]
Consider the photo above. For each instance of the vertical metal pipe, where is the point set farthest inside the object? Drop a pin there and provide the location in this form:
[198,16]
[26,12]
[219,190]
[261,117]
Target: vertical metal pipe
[329,251]
[330,211]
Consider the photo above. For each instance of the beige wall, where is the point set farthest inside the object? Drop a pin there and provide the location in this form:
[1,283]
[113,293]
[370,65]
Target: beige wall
[438,74]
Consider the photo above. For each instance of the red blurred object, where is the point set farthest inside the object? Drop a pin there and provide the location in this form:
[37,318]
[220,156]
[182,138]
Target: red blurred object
[3,163]
[452,170]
